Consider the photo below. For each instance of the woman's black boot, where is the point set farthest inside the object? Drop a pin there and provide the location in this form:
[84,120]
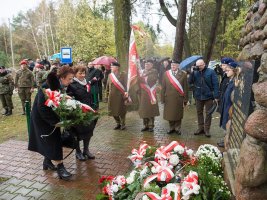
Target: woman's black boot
[79,154]
[63,173]
[86,151]
[47,164]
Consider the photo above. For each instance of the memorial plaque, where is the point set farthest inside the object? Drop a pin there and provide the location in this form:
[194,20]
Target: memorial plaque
[242,108]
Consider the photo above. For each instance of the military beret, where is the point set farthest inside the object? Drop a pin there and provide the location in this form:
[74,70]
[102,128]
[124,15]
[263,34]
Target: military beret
[23,62]
[233,64]
[227,60]
[175,61]
[115,64]
[38,65]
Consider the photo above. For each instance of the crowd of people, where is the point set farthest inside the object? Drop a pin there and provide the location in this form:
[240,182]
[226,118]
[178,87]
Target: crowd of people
[86,83]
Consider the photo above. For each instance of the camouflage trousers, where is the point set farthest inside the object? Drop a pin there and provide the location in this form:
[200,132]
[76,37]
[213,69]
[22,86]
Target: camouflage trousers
[6,100]
[24,95]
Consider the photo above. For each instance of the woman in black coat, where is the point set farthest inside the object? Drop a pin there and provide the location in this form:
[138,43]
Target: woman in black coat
[80,90]
[231,72]
[45,136]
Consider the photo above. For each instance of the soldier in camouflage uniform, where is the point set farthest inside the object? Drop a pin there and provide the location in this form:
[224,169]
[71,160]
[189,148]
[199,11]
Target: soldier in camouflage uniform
[6,90]
[40,73]
[24,83]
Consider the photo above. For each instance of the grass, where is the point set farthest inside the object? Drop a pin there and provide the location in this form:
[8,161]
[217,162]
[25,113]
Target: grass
[14,126]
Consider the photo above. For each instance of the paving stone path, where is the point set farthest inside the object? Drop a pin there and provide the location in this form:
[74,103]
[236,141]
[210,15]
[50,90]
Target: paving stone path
[27,180]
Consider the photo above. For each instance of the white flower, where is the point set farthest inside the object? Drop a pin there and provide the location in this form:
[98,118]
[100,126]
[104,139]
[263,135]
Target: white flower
[71,104]
[209,151]
[189,152]
[130,180]
[132,174]
[174,160]
[144,171]
[114,188]
[171,187]
[179,149]
[145,197]
[154,170]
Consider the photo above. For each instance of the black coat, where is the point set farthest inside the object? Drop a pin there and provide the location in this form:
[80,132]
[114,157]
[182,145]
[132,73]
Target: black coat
[223,85]
[43,120]
[79,92]
[226,104]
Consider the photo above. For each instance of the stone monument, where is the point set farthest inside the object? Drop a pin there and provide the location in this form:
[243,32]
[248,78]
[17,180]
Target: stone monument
[251,169]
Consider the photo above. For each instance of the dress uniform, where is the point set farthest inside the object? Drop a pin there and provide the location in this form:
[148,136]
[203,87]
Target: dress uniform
[174,95]
[115,93]
[148,105]
[24,82]
[6,90]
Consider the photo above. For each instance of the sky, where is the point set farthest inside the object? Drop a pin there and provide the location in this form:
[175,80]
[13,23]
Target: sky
[10,8]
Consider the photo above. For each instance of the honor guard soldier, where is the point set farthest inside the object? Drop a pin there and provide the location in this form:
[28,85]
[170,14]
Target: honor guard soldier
[148,105]
[24,84]
[117,95]
[174,96]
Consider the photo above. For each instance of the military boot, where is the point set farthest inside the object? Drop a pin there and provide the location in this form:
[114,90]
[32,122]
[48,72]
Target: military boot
[9,112]
[6,111]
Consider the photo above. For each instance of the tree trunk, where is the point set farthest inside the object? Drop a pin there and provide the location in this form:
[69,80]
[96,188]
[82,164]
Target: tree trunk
[173,21]
[180,31]
[214,26]
[122,13]
[5,39]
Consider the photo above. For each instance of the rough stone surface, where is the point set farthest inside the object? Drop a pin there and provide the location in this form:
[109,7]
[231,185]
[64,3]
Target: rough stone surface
[259,35]
[245,53]
[251,193]
[257,49]
[252,36]
[251,170]
[265,44]
[263,20]
[249,15]
[260,94]
[262,8]
[255,125]
[265,30]
[256,21]
[249,27]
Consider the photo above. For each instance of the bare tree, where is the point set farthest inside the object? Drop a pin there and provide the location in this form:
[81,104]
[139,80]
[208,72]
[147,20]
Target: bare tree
[173,21]
[122,13]
[180,31]
[214,26]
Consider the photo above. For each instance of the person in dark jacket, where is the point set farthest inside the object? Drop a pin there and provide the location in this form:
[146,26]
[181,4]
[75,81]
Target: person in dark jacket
[224,81]
[93,76]
[45,136]
[80,90]
[205,91]
[231,72]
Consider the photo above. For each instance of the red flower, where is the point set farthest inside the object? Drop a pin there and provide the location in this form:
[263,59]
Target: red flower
[105,190]
[105,178]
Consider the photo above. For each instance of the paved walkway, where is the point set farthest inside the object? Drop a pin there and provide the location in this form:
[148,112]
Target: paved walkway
[27,180]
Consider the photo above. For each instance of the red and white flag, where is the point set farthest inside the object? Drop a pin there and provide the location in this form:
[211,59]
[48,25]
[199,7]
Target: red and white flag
[134,62]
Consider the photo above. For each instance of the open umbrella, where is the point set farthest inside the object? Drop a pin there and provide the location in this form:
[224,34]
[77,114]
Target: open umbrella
[104,60]
[189,62]
[55,56]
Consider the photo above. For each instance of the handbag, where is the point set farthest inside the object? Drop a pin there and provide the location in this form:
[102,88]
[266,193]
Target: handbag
[69,139]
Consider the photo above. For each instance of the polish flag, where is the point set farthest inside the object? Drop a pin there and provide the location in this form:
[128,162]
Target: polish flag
[134,62]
